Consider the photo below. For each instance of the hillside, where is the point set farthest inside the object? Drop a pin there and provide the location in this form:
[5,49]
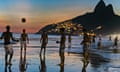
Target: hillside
[103,15]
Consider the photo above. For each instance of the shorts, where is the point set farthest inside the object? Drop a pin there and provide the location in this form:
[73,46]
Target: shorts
[61,52]
[8,49]
[23,43]
[43,45]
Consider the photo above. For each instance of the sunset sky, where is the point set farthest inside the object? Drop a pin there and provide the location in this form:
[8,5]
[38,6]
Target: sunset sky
[39,13]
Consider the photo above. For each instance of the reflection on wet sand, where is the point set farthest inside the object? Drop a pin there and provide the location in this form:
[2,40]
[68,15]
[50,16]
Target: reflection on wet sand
[62,58]
[116,50]
[43,64]
[8,68]
[23,65]
[85,60]
[69,43]
[98,60]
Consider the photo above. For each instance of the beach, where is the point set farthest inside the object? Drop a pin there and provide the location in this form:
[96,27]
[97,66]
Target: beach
[106,59]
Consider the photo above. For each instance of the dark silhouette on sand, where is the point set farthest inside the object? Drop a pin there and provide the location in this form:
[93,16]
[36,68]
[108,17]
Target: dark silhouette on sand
[62,46]
[7,36]
[99,45]
[116,42]
[43,41]
[85,43]
[24,40]
[69,43]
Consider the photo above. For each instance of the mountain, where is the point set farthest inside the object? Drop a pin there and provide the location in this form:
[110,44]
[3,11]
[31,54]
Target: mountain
[48,28]
[103,15]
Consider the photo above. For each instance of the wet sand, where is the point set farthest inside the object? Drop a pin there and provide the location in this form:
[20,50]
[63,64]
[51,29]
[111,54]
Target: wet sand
[104,60]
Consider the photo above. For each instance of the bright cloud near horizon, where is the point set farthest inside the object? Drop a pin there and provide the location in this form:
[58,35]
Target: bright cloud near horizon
[39,13]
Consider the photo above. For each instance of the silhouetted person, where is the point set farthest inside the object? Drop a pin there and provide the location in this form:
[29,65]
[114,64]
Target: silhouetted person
[110,38]
[43,64]
[23,64]
[115,42]
[24,40]
[44,40]
[62,46]
[92,38]
[7,36]
[69,43]
[99,42]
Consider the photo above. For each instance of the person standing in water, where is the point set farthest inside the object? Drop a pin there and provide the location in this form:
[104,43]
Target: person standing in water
[44,40]
[115,42]
[8,36]
[99,44]
[24,40]
[69,41]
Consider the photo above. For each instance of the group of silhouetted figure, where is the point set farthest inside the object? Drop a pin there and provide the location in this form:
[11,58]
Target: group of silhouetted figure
[88,39]
[7,37]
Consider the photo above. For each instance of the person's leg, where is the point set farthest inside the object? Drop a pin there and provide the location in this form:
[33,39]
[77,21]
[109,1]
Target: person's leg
[25,45]
[21,47]
[63,58]
[11,55]
[44,49]
[41,50]
[6,56]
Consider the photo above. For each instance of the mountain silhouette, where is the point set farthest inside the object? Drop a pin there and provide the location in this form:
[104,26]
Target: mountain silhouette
[103,15]
[48,28]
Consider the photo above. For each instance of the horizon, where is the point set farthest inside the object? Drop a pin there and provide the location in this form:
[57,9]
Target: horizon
[39,13]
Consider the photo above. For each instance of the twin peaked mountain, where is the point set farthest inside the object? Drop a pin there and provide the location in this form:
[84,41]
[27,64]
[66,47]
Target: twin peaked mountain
[103,15]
